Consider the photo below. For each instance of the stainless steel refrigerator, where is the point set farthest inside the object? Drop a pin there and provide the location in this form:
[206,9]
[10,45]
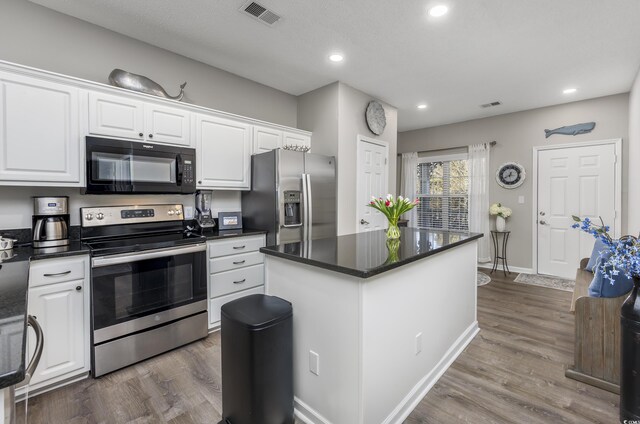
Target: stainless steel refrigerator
[293,196]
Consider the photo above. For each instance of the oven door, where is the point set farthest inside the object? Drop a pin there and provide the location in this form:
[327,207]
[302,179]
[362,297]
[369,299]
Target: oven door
[133,292]
[118,166]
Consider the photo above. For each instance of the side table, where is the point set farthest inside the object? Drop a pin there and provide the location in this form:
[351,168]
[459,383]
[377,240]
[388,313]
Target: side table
[500,250]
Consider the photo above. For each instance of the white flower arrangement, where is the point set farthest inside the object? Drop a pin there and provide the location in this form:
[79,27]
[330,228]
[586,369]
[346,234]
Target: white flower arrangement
[498,209]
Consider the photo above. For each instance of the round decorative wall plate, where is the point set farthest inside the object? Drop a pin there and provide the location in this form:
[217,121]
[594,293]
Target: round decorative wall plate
[510,175]
[376,118]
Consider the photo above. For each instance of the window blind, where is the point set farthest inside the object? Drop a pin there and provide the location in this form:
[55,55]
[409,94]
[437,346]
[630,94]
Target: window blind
[443,190]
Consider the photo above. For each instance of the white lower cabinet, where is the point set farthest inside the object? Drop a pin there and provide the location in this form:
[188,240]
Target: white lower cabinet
[59,300]
[236,269]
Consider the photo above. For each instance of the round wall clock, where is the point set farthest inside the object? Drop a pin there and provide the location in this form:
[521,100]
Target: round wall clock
[510,175]
[376,118]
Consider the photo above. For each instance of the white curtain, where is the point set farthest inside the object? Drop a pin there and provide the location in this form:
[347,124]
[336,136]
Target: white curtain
[409,183]
[479,197]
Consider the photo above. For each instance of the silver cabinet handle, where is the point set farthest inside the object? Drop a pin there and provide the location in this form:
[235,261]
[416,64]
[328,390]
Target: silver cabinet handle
[240,282]
[363,222]
[239,262]
[35,360]
[57,274]
[239,247]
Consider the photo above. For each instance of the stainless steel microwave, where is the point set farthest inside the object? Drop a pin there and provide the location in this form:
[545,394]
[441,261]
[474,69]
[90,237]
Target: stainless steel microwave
[128,167]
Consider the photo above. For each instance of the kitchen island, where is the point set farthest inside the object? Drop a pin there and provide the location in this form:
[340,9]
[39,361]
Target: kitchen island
[375,323]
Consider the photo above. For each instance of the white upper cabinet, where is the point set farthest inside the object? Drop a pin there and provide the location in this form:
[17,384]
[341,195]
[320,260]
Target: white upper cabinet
[293,139]
[167,125]
[115,116]
[223,153]
[39,131]
[124,117]
[266,139]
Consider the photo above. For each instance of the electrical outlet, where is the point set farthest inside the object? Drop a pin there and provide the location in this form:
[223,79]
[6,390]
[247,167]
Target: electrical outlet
[188,212]
[418,343]
[521,200]
[314,362]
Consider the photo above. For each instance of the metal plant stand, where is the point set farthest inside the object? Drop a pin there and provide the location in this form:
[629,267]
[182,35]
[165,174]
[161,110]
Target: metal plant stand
[500,254]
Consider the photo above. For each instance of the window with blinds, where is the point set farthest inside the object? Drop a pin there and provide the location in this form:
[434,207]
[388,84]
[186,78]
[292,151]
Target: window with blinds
[443,190]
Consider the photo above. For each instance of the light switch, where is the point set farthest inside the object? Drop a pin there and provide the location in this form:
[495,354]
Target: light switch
[521,200]
[314,362]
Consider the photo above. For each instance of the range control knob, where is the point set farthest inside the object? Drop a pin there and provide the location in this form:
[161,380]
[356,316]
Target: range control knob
[178,212]
[100,215]
[88,216]
[171,212]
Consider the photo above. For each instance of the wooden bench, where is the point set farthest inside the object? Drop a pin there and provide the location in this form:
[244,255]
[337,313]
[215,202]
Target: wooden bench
[597,335]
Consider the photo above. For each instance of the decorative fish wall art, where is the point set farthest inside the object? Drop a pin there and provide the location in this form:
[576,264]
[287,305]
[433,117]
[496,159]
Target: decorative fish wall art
[142,84]
[576,129]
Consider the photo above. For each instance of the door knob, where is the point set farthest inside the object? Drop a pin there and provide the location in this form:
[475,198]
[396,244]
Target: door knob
[542,213]
[543,222]
[363,222]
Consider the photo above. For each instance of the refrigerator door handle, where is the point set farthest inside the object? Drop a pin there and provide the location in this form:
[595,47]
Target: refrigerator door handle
[309,208]
[305,212]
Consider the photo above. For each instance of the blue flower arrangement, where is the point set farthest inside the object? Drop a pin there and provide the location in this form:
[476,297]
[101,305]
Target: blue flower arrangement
[621,255]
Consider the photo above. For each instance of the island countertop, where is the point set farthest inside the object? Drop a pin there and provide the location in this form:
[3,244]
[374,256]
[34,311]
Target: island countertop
[367,254]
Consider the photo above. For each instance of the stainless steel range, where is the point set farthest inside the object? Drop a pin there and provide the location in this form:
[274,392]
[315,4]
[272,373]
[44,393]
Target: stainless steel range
[148,283]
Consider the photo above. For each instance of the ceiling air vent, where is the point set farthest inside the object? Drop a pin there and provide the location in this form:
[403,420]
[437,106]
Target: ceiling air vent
[492,104]
[259,12]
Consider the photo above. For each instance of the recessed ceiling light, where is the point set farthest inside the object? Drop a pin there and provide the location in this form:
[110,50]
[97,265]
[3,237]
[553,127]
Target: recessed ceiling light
[570,90]
[422,106]
[336,57]
[439,10]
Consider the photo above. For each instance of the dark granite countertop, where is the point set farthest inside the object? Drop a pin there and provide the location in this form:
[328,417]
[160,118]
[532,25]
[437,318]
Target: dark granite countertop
[221,234]
[367,254]
[14,285]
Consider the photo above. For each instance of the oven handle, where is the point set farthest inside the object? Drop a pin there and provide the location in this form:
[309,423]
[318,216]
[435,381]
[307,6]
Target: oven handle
[126,258]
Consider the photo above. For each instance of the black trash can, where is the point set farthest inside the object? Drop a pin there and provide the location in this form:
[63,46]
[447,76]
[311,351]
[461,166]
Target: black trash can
[257,361]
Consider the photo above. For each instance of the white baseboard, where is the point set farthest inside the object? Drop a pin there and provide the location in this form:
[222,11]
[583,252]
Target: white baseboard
[306,414]
[513,269]
[420,390]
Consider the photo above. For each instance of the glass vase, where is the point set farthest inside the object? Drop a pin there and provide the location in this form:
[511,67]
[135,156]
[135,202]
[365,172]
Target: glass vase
[393,232]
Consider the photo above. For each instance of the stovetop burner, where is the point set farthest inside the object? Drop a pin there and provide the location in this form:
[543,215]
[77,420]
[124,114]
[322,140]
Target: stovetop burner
[139,243]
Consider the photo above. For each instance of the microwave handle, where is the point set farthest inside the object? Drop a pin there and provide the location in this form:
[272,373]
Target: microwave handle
[179,169]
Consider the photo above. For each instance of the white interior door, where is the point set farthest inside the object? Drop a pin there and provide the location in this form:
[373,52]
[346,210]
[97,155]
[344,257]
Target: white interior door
[373,179]
[578,181]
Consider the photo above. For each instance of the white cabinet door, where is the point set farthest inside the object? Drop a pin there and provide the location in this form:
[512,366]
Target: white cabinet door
[266,139]
[39,131]
[223,153]
[115,116]
[60,311]
[167,125]
[292,139]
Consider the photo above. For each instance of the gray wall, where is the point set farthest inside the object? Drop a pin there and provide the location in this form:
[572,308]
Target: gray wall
[633,226]
[39,37]
[517,134]
[335,114]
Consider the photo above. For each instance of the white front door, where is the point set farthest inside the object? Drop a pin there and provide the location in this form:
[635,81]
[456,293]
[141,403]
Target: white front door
[373,165]
[577,181]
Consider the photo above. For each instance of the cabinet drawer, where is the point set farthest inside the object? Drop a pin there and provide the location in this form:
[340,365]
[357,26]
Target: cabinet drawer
[227,263]
[48,271]
[216,304]
[235,245]
[236,280]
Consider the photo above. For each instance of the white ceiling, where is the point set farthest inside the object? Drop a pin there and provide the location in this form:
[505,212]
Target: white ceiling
[521,52]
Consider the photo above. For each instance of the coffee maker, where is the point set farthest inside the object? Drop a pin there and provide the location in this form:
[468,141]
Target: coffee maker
[203,209]
[50,222]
